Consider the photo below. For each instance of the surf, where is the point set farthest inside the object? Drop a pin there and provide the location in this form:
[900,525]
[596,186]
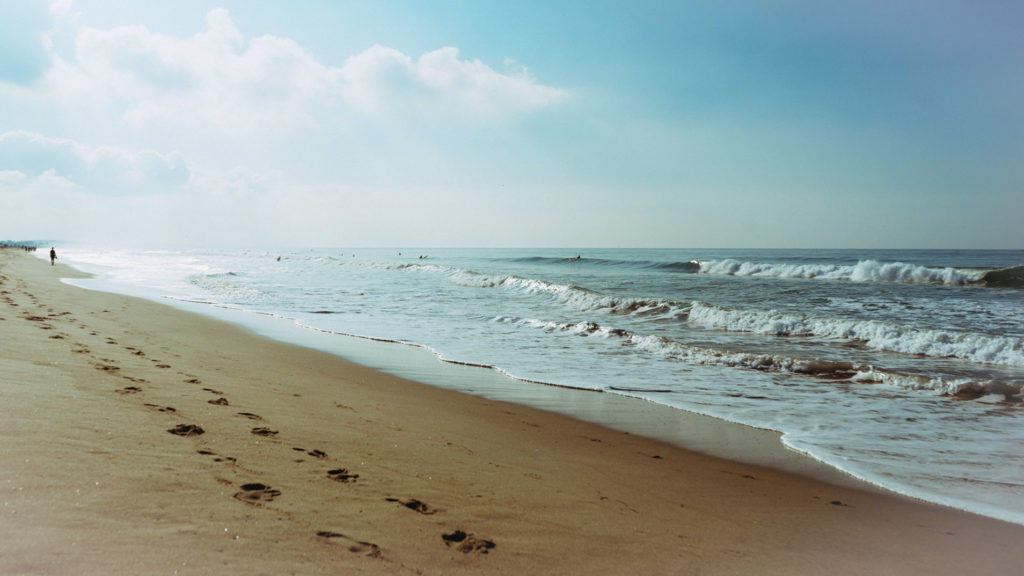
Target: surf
[866,271]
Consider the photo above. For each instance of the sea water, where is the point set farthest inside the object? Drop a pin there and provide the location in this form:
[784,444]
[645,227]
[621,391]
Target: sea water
[902,368]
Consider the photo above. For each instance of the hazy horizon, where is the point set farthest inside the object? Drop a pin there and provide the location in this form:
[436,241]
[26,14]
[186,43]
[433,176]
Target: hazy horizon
[480,124]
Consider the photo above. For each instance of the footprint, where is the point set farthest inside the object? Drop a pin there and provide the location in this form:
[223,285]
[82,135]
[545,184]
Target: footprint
[415,505]
[355,546]
[160,408]
[467,543]
[342,475]
[264,432]
[218,402]
[193,381]
[187,430]
[107,368]
[250,416]
[129,390]
[256,493]
[319,454]
[212,391]
[217,457]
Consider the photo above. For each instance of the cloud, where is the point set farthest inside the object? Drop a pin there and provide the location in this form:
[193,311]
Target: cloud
[480,87]
[103,170]
[16,180]
[213,79]
[220,79]
[60,8]
[34,206]
[382,79]
[60,188]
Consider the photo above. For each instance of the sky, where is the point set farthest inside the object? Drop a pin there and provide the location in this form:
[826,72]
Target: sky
[387,123]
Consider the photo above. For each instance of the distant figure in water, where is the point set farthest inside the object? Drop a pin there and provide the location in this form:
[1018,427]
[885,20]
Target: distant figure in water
[53,256]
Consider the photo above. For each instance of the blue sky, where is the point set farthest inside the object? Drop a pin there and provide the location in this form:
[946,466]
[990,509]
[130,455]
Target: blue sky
[474,123]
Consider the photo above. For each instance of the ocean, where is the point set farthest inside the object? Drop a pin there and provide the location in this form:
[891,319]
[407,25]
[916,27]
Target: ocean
[902,368]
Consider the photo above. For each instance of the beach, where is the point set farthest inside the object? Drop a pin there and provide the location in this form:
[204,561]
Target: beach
[140,438]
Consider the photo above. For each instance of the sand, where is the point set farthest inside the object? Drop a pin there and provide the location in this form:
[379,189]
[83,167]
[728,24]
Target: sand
[139,438]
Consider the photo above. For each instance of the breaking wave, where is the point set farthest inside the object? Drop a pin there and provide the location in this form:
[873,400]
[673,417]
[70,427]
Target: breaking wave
[863,271]
[1004,350]
[577,297]
[226,286]
[874,334]
[673,350]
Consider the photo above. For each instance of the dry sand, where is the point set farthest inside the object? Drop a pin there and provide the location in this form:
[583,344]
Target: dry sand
[308,464]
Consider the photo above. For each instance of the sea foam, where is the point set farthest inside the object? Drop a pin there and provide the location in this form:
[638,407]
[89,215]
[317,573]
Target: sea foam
[875,334]
[862,271]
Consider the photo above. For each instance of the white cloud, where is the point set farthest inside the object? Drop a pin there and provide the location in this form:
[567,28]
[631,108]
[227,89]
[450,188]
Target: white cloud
[12,178]
[35,206]
[60,188]
[331,184]
[61,8]
[211,79]
[102,170]
[382,79]
[481,88]
[15,181]
[219,78]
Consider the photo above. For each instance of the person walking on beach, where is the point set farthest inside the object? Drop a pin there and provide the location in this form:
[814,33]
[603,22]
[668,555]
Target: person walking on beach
[53,255]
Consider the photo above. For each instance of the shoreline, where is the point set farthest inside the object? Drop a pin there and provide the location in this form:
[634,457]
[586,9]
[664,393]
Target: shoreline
[682,428]
[353,468]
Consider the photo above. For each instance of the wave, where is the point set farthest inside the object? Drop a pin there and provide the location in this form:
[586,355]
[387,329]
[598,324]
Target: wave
[873,334]
[689,267]
[582,299]
[863,271]
[1005,278]
[409,266]
[819,368]
[224,286]
[870,333]
[870,271]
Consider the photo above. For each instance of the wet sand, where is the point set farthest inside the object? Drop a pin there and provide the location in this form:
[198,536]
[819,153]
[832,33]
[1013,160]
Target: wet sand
[139,438]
